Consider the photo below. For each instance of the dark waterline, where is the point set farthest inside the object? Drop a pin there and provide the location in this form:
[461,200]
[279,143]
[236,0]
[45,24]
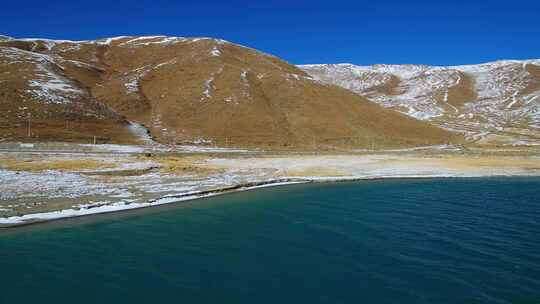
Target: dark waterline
[396,241]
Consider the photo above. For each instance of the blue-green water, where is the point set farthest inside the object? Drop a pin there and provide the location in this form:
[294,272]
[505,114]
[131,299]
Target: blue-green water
[407,241]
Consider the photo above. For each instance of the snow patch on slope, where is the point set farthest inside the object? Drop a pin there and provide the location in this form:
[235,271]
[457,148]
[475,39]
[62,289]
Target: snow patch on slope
[215,51]
[208,85]
[48,85]
[152,40]
[132,86]
[141,132]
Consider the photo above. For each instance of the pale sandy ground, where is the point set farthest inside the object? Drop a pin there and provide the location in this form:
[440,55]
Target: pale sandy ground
[385,165]
[38,187]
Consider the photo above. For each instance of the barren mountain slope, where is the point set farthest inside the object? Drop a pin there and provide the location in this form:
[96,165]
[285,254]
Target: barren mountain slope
[208,91]
[492,103]
[39,103]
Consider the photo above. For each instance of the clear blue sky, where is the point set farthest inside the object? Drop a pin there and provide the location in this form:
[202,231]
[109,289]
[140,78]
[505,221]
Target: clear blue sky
[332,31]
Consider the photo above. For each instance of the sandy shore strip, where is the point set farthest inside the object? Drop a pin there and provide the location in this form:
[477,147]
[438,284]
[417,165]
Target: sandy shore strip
[35,218]
[51,187]
[104,207]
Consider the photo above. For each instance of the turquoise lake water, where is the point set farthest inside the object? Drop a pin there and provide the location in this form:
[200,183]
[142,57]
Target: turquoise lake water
[394,241]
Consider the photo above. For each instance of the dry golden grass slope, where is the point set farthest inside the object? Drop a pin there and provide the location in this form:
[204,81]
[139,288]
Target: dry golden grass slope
[188,91]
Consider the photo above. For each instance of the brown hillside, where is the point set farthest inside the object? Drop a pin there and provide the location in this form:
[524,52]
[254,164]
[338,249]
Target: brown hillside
[462,92]
[57,108]
[215,92]
[534,83]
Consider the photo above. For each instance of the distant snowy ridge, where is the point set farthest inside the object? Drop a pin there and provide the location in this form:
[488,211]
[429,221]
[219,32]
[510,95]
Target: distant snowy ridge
[499,99]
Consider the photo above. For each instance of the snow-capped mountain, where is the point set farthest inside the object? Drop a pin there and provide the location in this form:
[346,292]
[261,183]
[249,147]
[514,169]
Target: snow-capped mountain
[495,103]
